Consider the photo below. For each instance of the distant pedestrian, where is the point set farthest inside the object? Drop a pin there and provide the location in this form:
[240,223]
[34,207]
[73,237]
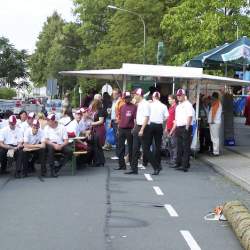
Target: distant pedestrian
[214,120]
[183,119]
[170,131]
[125,126]
[154,131]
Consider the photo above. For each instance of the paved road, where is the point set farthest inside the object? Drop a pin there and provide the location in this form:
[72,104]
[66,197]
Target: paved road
[101,208]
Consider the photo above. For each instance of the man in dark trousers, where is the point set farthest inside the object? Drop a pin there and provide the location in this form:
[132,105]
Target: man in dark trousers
[56,139]
[183,121]
[34,148]
[142,121]
[126,124]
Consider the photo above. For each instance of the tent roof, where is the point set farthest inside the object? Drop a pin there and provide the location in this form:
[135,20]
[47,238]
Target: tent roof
[178,72]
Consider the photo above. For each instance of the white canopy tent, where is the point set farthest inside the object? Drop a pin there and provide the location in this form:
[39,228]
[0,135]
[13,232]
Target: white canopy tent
[177,72]
[159,71]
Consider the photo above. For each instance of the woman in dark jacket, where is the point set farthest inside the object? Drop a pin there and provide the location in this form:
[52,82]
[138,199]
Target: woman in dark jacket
[99,133]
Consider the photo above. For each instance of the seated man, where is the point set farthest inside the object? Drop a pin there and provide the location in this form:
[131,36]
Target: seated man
[56,139]
[11,146]
[34,148]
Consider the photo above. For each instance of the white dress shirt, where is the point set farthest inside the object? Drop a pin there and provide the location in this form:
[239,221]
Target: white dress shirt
[182,112]
[56,135]
[30,138]
[158,112]
[11,136]
[143,110]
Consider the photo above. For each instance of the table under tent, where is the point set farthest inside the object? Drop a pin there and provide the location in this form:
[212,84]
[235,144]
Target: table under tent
[192,79]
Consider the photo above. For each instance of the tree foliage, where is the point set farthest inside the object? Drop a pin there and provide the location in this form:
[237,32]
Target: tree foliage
[7,93]
[13,63]
[193,27]
[106,38]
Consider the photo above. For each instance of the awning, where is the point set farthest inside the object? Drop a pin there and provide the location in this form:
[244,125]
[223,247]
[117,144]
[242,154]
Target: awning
[177,72]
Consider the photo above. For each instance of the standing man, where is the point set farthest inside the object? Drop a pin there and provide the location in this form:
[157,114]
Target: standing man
[125,126]
[56,139]
[183,121]
[114,122]
[11,144]
[154,132]
[214,120]
[34,148]
[140,129]
[170,131]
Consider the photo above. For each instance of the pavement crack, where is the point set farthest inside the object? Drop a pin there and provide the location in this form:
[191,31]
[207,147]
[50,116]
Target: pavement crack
[108,213]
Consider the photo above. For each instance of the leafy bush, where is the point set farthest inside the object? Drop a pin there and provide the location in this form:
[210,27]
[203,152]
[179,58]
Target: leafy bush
[7,93]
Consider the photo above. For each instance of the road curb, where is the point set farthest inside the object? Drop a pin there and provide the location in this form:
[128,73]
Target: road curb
[239,218]
[236,179]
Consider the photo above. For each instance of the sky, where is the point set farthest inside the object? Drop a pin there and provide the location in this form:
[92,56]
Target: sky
[21,21]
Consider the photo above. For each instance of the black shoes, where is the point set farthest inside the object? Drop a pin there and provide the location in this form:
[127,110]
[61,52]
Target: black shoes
[182,169]
[120,168]
[131,172]
[157,171]
[18,175]
[53,173]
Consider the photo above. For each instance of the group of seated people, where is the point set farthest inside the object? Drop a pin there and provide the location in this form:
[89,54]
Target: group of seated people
[27,138]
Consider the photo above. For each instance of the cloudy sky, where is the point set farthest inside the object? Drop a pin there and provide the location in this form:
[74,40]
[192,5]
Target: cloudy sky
[21,21]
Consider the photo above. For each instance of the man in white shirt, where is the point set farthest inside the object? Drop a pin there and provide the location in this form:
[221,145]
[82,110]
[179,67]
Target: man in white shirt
[214,120]
[141,123]
[56,139]
[158,114]
[116,93]
[34,148]
[183,122]
[11,144]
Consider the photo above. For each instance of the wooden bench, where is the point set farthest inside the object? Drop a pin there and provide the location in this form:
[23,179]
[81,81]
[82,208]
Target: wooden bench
[76,153]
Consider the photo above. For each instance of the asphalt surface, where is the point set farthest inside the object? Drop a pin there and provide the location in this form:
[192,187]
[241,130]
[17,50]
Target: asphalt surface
[100,208]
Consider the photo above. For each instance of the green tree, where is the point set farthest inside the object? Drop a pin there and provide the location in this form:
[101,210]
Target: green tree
[7,93]
[13,63]
[193,27]
[59,47]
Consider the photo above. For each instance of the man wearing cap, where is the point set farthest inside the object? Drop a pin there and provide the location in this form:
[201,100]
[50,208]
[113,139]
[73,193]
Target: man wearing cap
[34,148]
[183,122]
[11,144]
[126,124]
[142,120]
[56,139]
[158,114]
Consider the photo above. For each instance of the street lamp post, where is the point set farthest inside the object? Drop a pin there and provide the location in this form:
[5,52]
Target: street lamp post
[144,27]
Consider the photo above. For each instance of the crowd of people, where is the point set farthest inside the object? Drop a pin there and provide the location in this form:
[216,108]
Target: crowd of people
[140,127]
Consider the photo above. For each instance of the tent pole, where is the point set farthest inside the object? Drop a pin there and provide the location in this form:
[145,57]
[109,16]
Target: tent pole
[197,101]
[173,86]
[124,84]
[244,71]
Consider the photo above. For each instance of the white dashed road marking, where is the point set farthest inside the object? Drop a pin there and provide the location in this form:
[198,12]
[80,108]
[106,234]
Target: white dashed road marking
[148,177]
[190,240]
[171,210]
[158,190]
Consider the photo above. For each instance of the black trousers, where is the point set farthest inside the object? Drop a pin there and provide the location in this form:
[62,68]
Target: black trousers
[183,146]
[205,140]
[97,154]
[152,132]
[156,133]
[17,156]
[66,151]
[30,157]
[123,135]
